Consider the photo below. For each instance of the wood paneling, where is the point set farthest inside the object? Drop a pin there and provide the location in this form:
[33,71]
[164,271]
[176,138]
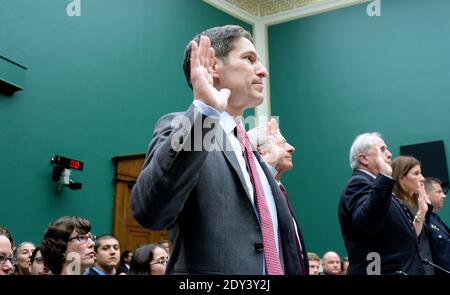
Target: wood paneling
[125,228]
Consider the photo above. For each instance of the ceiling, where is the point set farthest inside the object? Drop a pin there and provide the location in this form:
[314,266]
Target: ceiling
[262,8]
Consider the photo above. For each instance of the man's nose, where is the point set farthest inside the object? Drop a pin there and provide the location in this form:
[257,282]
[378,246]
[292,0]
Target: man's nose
[291,149]
[261,71]
[388,154]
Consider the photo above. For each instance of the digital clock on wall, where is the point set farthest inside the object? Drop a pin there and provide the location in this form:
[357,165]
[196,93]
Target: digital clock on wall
[67,163]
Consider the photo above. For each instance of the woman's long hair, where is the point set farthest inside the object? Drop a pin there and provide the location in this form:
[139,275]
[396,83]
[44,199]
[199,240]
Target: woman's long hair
[400,167]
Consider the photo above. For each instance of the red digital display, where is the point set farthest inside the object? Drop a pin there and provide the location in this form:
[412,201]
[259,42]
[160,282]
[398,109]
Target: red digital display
[68,163]
[75,164]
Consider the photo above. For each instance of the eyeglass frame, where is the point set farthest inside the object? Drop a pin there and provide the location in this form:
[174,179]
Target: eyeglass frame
[81,238]
[161,261]
[11,259]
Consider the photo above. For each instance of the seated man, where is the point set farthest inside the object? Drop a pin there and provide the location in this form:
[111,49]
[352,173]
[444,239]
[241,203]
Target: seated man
[314,263]
[331,264]
[107,254]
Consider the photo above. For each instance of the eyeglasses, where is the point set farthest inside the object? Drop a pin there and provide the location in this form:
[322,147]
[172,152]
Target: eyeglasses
[83,238]
[162,261]
[3,259]
[39,260]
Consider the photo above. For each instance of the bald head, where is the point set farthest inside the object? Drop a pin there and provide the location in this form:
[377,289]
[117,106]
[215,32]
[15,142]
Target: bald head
[331,263]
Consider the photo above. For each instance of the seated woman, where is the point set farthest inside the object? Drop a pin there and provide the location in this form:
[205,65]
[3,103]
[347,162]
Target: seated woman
[23,255]
[68,246]
[150,259]
[37,263]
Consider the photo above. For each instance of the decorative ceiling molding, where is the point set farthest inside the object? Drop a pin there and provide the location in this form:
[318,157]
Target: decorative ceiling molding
[261,8]
[278,11]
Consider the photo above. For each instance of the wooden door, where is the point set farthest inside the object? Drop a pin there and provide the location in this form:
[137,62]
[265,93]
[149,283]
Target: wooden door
[125,228]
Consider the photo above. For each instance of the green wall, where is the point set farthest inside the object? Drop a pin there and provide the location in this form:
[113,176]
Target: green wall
[95,86]
[342,73]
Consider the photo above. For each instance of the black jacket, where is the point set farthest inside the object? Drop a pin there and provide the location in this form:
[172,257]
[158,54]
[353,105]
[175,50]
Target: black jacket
[374,221]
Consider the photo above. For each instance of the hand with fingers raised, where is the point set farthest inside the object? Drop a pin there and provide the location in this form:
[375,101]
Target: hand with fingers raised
[202,64]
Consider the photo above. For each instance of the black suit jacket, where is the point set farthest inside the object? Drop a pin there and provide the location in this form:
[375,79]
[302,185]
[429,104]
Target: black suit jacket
[374,220]
[439,239]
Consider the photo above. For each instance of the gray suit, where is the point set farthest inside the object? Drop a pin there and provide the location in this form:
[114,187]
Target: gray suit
[201,198]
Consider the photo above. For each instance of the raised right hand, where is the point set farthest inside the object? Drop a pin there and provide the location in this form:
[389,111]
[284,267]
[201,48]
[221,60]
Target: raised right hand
[382,162]
[202,63]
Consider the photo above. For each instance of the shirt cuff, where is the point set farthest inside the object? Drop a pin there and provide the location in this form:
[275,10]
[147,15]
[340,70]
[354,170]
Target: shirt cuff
[206,109]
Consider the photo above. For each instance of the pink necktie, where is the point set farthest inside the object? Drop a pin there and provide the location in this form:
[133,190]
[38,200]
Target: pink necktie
[273,264]
[298,243]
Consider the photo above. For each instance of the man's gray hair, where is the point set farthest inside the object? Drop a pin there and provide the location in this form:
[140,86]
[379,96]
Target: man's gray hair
[362,144]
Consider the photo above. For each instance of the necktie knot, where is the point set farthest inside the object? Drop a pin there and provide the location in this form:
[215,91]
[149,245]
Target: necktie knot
[242,136]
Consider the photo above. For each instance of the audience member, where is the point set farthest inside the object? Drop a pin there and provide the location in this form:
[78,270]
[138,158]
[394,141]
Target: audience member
[344,266]
[37,263]
[23,261]
[166,245]
[150,259]
[68,246]
[314,263]
[331,264]
[125,262]
[107,253]
[6,252]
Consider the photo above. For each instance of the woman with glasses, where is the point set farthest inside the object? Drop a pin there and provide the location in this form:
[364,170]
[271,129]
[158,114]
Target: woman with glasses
[68,246]
[150,259]
[6,252]
[37,263]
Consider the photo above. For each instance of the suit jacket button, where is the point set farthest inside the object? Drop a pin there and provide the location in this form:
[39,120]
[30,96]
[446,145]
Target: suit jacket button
[172,153]
[259,247]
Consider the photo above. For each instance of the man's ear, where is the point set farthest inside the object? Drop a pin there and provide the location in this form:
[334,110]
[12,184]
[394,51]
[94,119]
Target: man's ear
[363,159]
[216,67]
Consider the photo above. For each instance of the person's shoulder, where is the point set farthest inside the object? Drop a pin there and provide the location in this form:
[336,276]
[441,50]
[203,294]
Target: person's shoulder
[360,177]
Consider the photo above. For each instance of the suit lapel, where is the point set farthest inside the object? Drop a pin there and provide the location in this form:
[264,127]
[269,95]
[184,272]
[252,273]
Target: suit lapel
[229,154]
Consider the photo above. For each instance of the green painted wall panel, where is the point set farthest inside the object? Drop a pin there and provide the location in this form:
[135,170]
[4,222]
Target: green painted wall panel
[342,73]
[95,86]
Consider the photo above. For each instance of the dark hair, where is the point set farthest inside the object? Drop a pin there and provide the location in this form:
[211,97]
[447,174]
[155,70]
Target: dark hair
[222,40]
[429,181]
[400,167]
[140,265]
[54,244]
[33,255]
[101,238]
[124,256]
[5,232]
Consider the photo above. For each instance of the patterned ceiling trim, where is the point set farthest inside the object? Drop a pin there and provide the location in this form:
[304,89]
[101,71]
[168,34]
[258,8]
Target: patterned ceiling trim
[262,8]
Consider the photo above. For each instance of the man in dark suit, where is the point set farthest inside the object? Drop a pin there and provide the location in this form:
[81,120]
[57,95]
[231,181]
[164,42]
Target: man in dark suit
[223,209]
[378,233]
[438,231]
